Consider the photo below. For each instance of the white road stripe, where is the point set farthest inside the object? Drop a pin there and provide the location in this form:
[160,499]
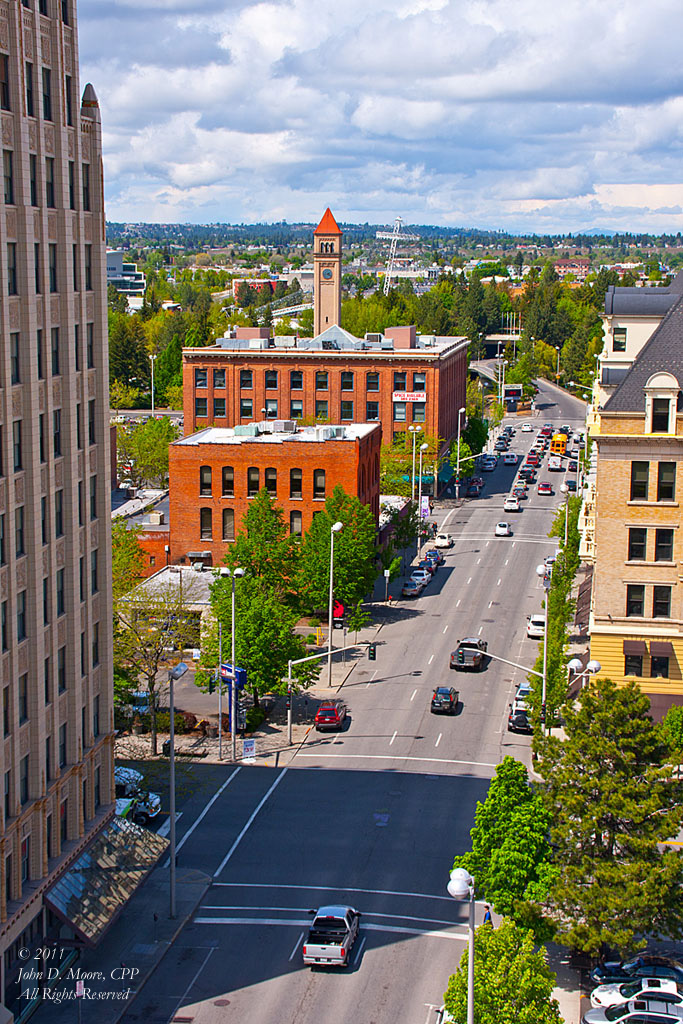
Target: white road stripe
[397,757]
[189,987]
[201,817]
[393,929]
[166,827]
[360,950]
[249,823]
[506,561]
[298,941]
[393,737]
[431,660]
[469,580]
[326,888]
[479,561]
[438,739]
[457,602]
[481,628]
[499,582]
[414,695]
[445,627]
[490,604]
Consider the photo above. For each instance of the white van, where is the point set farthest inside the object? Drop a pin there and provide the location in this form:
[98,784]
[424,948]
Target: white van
[555,463]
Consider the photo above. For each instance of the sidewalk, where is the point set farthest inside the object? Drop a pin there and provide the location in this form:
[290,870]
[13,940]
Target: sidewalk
[134,945]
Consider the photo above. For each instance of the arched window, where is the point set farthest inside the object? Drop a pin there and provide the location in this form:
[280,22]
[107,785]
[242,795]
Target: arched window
[295,523]
[318,483]
[228,481]
[253,477]
[205,481]
[295,479]
[228,524]
[270,476]
[205,524]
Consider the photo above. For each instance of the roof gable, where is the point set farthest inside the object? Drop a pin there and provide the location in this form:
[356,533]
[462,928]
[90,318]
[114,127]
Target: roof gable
[663,351]
[328,225]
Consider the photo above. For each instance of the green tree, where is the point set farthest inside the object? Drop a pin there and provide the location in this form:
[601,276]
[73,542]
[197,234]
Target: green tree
[354,552]
[305,319]
[116,302]
[168,368]
[144,447]
[476,434]
[510,855]
[122,396]
[672,730]
[264,546]
[612,803]
[174,396]
[512,980]
[128,559]
[128,359]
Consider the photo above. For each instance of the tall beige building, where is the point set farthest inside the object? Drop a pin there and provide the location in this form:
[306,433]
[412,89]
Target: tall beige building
[55,553]
[327,269]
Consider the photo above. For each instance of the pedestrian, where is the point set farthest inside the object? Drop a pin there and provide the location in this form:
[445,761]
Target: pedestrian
[431,506]
[487,915]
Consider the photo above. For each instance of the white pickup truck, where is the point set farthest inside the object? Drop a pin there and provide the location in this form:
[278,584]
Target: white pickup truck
[331,936]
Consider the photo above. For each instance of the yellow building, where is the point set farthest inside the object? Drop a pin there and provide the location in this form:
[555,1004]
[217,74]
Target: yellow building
[637,599]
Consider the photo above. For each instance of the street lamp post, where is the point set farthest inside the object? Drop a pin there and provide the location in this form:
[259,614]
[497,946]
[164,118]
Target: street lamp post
[414,430]
[236,574]
[565,490]
[575,668]
[541,571]
[502,390]
[152,358]
[457,468]
[557,371]
[461,887]
[335,528]
[423,449]
[175,673]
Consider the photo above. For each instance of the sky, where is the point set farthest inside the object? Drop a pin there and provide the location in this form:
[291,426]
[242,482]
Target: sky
[536,116]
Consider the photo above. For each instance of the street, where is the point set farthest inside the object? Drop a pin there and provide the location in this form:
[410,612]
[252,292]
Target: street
[371,816]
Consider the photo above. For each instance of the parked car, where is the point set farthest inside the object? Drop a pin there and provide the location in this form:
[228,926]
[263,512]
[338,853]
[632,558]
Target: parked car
[636,1011]
[428,565]
[445,698]
[473,491]
[503,530]
[545,487]
[643,965]
[535,626]
[620,992]
[411,588]
[421,576]
[330,715]
[518,721]
[511,504]
[526,428]
[435,553]
[443,540]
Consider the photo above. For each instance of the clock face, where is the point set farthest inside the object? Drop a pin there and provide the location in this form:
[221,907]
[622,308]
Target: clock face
[327,274]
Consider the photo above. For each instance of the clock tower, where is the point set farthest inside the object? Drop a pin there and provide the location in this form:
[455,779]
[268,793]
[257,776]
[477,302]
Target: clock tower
[326,274]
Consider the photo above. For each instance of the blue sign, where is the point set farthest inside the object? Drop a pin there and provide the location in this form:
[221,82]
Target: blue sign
[239,673]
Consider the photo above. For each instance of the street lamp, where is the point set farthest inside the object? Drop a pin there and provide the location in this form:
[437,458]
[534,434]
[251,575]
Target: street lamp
[557,371]
[502,390]
[174,673]
[541,570]
[335,528]
[152,358]
[414,430]
[461,887]
[565,490]
[575,668]
[423,449]
[457,468]
[235,574]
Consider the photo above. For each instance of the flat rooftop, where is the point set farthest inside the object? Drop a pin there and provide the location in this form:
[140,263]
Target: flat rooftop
[278,432]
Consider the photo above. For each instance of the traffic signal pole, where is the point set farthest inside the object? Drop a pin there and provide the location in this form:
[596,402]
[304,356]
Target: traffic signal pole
[316,657]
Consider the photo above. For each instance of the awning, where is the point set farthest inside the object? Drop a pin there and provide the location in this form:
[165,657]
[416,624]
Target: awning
[660,704]
[661,648]
[98,885]
[635,647]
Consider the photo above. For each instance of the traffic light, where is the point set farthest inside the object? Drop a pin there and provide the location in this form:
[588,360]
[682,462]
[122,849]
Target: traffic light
[372,652]
[461,657]
[212,682]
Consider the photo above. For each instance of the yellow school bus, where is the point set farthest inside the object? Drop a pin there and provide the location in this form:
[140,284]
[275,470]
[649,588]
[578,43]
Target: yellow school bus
[558,445]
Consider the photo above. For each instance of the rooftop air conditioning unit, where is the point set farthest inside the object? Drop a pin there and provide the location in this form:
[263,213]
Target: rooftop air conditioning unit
[156,518]
[198,566]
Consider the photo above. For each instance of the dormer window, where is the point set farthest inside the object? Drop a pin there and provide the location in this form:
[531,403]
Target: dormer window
[661,401]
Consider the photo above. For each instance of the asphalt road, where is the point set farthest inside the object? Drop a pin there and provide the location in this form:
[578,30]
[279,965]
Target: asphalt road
[371,816]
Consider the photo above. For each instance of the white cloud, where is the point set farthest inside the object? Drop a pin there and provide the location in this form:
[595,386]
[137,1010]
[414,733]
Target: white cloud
[532,117]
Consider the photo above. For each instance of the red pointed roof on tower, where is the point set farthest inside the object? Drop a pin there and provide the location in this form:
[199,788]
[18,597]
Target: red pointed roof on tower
[328,225]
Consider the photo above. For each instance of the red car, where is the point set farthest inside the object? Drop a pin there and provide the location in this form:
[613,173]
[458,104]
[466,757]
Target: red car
[532,459]
[330,715]
[545,488]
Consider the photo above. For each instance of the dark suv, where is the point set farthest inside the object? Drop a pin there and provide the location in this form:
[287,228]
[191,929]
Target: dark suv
[445,699]
[330,715]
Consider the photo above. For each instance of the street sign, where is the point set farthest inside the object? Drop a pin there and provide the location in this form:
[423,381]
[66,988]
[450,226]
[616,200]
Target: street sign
[248,750]
[240,675]
[387,572]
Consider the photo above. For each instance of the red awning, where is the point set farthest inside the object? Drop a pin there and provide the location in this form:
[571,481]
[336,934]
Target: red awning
[635,647]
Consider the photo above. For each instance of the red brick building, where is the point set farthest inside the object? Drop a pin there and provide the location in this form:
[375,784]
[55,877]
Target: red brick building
[214,474]
[395,379]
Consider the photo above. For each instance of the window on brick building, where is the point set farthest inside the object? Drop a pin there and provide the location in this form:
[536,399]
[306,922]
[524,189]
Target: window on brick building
[271,380]
[19,531]
[419,381]
[660,415]
[253,484]
[664,545]
[295,523]
[228,524]
[399,412]
[321,379]
[347,380]
[246,408]
[218,408]
[201,408]
[296,380]
[371,411]
[637,544]
[219,378]
[661,602]
[270,481]
[296,409]
[400,380]
[635,599]
[419,411]
[321,410]
[228,481]
[640,472]
[347,410]
[271,408]
[372,381]
[201,378]
[246,379]
[666,481]
[205,481]
[295,483]
[318,483]
[205,524]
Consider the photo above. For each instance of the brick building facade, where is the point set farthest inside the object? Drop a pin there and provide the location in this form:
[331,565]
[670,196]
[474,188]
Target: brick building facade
[215,473]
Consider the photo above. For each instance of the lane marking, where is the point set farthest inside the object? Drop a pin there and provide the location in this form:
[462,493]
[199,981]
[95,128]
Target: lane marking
[469,580]
[201,817]
[298,941]
[444,629]
[369,682]
[360,950]
[399,757]
[499,582]
[393,737]
[490,604]
[487,543]
[393,929]
[304,910]
[414,695]
[326,888]
[189,987]
[429,662]
[457,602]
[480,630]
[479,561]
[166,827]
[438,739]
[506,561]
[249,823]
